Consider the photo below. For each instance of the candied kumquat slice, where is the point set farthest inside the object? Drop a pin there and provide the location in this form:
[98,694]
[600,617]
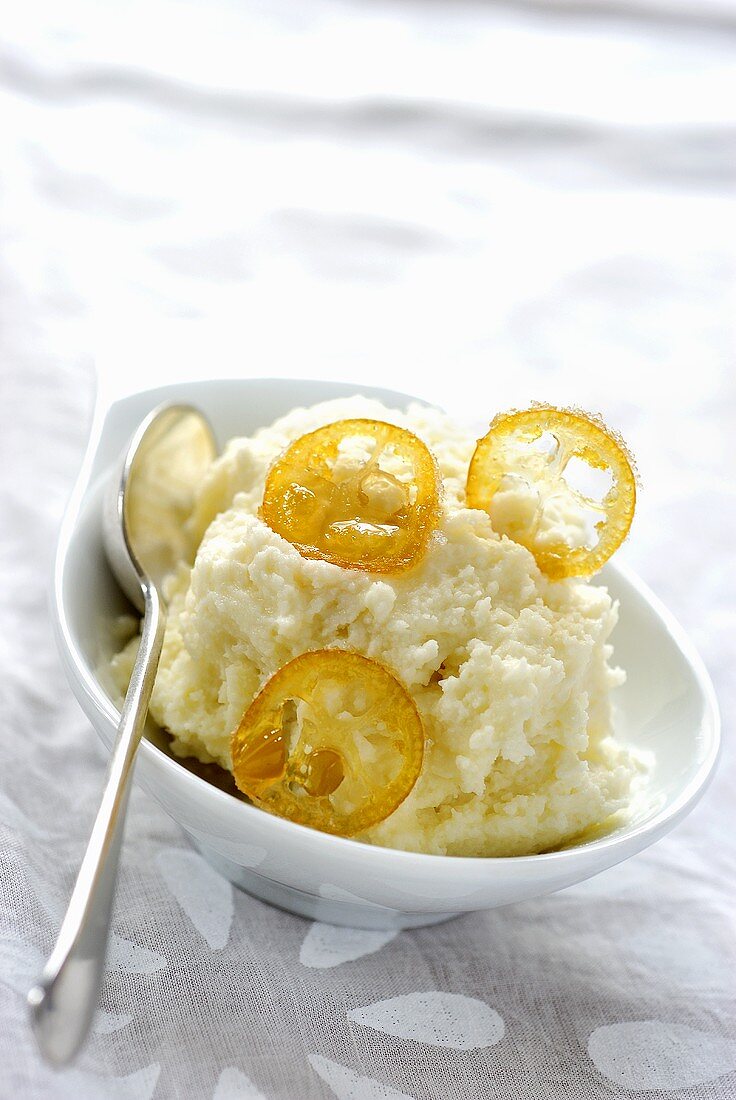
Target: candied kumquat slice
[333,740]
[526,472]
[358,493]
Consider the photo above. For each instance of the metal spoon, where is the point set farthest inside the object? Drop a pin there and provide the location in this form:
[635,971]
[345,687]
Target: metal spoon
[145,535]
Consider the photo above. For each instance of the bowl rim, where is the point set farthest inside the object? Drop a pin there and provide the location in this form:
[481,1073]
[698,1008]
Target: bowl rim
[86,687]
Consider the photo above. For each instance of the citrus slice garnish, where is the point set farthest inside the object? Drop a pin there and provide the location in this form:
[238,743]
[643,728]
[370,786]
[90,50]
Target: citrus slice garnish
[523,473]
[358,493]
[333,740]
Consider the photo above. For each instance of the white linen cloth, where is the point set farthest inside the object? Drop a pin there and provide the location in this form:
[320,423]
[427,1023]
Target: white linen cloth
[478,203]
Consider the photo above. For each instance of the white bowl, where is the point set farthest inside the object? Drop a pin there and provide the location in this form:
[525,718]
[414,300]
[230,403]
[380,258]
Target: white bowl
[667,706]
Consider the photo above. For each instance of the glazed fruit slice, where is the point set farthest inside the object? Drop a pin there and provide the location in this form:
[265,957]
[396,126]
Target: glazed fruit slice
[333,740]
[524,473]
[358,493]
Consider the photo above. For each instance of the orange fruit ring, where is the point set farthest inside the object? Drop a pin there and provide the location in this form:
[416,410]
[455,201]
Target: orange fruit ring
[507,457]
[361,494]
[333,740]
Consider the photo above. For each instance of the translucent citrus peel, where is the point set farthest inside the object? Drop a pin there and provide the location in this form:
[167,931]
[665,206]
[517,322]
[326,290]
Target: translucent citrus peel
[361,494]
[507,454]
[333,740]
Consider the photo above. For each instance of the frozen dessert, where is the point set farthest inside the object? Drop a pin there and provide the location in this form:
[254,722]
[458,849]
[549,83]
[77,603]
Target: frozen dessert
[503,671]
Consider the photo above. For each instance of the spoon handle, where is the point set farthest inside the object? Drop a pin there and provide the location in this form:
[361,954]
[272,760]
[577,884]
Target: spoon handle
[63,1002]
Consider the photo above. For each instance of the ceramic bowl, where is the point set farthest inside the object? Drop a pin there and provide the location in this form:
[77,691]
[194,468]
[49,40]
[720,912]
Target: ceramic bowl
[667,707]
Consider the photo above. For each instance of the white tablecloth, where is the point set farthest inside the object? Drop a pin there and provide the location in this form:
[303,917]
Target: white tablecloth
[480,203]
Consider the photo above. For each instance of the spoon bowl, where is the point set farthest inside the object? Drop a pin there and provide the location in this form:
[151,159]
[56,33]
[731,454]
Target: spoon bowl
[150,497]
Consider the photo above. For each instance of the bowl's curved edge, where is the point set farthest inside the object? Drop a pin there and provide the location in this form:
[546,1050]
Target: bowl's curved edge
[97,706]
[699,783]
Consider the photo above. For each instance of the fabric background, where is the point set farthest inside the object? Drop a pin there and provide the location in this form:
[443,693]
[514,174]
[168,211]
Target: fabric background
[478,203]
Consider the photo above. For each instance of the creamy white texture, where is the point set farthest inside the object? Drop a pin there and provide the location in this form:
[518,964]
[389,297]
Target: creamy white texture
[510,671]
